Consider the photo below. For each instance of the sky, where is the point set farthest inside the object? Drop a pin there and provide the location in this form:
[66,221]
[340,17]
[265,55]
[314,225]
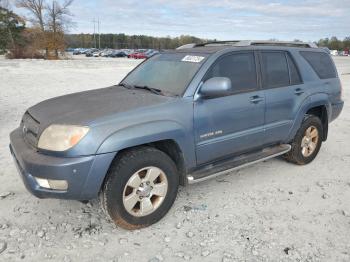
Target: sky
[306,20]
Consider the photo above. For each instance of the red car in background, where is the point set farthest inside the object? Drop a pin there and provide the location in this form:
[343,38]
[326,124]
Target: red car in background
[138,54]
[346,52]
[144,54]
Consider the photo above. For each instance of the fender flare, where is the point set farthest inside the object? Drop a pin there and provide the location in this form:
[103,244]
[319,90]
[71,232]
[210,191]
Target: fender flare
[314,100]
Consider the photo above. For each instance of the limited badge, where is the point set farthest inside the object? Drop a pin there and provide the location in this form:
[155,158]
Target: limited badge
[193,59]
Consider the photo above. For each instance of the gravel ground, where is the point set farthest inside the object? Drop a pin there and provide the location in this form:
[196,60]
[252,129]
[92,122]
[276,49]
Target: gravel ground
[272,211]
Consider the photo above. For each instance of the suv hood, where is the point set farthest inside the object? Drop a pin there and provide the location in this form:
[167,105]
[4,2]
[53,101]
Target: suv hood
[84,107]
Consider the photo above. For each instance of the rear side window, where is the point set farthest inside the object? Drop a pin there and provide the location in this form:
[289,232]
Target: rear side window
[321,63]
[240,68]
[275,69]
[295,78]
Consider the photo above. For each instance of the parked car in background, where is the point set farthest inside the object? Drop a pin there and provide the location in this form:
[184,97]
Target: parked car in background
[127,51]
[136,54]
[141,55]
[96,54]
[118,53]
[90,52]
[334,52]
[151,52]
[106,53]
[78,51]
[132,54]
[84,51]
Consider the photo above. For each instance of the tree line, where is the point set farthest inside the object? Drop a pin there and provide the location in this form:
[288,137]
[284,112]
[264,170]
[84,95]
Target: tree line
[120,41]
[334,43]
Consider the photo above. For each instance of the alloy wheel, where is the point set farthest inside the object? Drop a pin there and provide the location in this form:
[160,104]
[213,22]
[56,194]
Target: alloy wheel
[145,191]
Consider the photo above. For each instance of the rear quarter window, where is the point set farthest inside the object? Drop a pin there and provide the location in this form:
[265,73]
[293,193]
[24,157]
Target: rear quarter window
[321,63]
[295,78]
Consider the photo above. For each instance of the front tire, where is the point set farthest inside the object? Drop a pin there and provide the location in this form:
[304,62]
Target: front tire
[307,142]
[141,187]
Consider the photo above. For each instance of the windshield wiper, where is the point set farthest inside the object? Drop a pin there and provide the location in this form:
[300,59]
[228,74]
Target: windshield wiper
[126,85]
[150,89]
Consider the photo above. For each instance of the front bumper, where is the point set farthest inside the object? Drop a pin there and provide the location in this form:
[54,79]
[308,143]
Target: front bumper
[84,175]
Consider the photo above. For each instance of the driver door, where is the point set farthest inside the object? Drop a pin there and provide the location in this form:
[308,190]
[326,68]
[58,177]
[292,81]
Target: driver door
[232,124]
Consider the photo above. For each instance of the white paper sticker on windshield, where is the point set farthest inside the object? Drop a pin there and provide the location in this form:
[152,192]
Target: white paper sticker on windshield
[193,59]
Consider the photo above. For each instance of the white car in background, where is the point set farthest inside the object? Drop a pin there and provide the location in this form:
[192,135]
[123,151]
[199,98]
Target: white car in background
[334,52]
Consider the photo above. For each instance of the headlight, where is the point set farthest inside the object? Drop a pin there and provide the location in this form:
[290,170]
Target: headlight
[61,137]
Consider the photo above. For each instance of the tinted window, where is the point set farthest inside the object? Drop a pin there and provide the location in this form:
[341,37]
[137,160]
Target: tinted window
[240,68]
[295,78]
[275,69]
[321,64]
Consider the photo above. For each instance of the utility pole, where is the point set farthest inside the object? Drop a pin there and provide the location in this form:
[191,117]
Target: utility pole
[99,34]
[94,21]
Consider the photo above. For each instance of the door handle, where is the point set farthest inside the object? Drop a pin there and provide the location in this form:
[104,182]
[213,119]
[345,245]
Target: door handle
[256,99]
[299,91]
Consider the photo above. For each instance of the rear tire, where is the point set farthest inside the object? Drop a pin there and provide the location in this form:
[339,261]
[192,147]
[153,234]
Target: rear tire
[307,141]
[141,187]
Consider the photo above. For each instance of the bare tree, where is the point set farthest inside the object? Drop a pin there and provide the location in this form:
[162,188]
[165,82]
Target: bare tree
[36,8]
[52,18]
[58,20]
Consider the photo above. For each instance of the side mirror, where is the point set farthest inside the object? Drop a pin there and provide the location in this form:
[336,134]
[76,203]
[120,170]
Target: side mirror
[216,87]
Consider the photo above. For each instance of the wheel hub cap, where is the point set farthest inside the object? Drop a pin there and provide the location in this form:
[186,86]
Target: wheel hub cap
[144,190]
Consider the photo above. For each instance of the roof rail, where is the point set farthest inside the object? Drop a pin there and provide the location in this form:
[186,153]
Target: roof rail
[187,46]
[251,43]
[278,43]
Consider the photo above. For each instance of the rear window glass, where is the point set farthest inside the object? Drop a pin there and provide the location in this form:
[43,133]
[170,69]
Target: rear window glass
[321,64]
[275,69]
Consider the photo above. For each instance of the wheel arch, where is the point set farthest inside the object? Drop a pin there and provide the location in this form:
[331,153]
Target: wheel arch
[168,146]
[318,105]
[322,113]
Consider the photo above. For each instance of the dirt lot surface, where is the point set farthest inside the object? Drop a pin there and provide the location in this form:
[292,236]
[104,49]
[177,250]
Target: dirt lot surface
[272,211]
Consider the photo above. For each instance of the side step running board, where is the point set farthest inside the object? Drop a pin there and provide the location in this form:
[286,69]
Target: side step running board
[224,167]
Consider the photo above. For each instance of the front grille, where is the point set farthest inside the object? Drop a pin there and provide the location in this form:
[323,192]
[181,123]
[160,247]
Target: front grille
[30,129]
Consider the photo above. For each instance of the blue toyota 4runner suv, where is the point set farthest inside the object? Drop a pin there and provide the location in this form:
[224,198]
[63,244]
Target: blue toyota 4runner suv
[180,117]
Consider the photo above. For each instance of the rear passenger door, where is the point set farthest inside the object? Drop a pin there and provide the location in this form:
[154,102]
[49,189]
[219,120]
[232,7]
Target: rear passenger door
[234,123]
[284,93]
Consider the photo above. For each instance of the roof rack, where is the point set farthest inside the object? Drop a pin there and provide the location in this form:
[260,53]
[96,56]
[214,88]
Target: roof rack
[252,43]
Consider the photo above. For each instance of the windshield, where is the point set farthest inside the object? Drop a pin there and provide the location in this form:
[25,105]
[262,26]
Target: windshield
[170,73]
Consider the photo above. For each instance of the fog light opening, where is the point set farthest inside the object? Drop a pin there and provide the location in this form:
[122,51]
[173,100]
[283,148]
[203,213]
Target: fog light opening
[52,184]
[42,182]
